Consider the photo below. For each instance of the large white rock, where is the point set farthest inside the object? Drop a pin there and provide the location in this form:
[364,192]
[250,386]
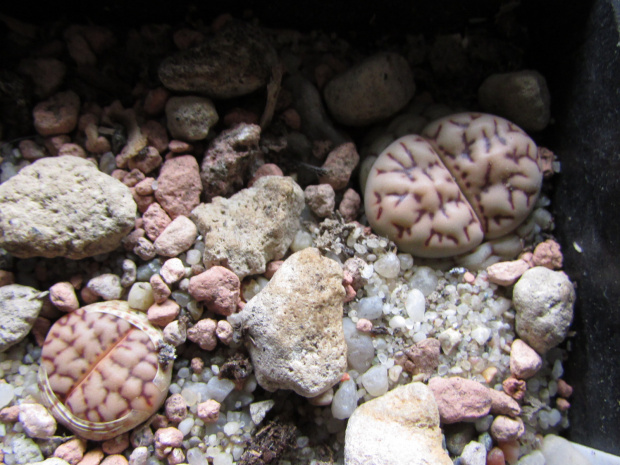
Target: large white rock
[251,228]
[64,206]
[544,301]
[398,428]
[294,326]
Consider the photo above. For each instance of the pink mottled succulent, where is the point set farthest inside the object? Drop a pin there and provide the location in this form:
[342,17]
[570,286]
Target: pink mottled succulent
[467,177]
[101,372]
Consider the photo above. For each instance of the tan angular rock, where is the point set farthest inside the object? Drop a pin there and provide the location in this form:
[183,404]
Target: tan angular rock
[398,428]
[252,227]
[294,326]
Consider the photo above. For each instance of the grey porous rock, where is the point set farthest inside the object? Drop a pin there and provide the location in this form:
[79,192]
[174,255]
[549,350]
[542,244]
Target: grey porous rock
[64,207]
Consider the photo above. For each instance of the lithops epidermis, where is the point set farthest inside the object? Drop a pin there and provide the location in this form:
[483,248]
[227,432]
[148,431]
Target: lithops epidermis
[469,176]
[100,375]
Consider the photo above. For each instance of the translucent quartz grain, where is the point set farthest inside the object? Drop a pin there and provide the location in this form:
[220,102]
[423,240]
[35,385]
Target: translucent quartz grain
[415,305]
[370,308]
[375,380]
[388,265]
[345,400]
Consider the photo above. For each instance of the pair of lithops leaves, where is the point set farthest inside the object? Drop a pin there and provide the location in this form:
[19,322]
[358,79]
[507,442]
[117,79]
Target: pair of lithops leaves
[465,178]
[101,370]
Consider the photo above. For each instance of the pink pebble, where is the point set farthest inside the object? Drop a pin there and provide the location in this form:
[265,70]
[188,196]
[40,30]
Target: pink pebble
[562,404]
[115,459]
[6,277]
[116,445]
[469,277]
[272,267]
[9,414]
[164,313]
[339,165]
[268,169]
[157,139]
[548,254]
[218,287]
[197,365]
[62,295]
[179,146]
[155,101]
[58,114]
[564,389]
[524,361]
[350,205]
[176,408]
[71,149]
[240,115]
[71,451]
[168,438]
[53,144]
[161,291]
[133,177]
[30,150]
[503,404]
[351,293]
[209,411]
[291,118]
[179,186]
[460,399]
[92,457]
[507,273]
[511,450]
[495,457]
[363,325]
[203,334]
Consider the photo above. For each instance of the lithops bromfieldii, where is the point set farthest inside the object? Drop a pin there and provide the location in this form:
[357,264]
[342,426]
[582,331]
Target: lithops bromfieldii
[237,60]
[467,177]
[101,373]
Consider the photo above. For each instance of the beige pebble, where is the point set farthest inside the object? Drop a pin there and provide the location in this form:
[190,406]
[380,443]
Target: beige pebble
[506,429]
[168,437]
[224,331]
[178,237]
[514,387]
[172,270]
[175,333]
[37,421]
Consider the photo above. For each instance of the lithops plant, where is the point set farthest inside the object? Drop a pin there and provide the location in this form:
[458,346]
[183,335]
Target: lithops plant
[101,372]
[467,177]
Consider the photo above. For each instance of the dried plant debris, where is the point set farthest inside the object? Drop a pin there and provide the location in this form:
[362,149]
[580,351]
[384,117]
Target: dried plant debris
[269,444]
